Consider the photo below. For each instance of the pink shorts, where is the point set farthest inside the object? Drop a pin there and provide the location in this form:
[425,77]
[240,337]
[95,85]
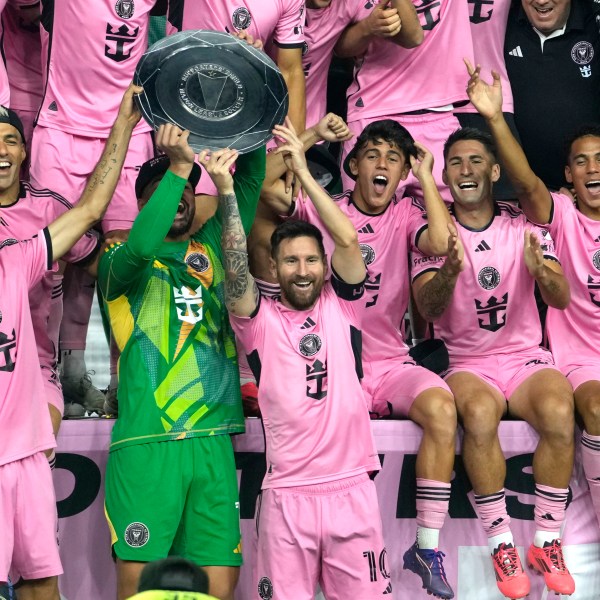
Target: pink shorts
[431,129]
[392,385]
[329,534]
[580,374]
[28,520]
[505,372]
[62,162]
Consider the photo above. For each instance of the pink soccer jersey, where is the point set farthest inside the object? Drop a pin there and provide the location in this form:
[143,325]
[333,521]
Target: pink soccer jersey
[33,210]
[309,392]
[276,21]
[89,54]
[389,80]
[322,30]
[4,88]
[493,309]
[385,242]
[22,51]
[24,420]
[488,28]
[574,333]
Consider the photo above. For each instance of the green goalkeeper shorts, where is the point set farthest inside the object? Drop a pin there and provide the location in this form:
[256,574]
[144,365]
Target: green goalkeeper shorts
[176,497]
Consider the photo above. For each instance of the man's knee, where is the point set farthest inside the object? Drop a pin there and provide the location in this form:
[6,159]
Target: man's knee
[435,411]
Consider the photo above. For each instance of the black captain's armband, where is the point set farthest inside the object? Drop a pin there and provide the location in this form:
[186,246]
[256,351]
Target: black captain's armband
[347,291]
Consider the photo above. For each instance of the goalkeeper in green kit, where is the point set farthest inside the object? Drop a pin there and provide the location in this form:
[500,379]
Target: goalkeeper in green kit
[171,485]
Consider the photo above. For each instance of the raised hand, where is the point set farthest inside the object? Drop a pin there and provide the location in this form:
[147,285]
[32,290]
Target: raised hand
[332,128]
[128,110]
[246,37]
[218,165]
[487,99]
[532,251]
[423,163]
[384,21]
[173,141]
[292,149]
[454,263]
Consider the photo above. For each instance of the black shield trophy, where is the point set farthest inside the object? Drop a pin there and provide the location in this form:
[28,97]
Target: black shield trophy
[225,92]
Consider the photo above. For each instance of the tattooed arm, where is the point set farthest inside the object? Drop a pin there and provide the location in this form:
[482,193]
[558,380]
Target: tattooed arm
[433,290]
[70,226]
[241,293]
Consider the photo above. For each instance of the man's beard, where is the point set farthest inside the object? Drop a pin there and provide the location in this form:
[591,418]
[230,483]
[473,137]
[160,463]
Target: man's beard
[299,302]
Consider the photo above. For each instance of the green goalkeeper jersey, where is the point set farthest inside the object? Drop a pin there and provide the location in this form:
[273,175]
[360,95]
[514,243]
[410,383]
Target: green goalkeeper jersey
[178,371]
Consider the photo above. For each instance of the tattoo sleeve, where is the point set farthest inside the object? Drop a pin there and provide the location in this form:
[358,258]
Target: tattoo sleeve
[235,253]
[434,297]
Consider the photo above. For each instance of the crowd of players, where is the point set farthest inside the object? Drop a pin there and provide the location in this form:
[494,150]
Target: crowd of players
[315,289]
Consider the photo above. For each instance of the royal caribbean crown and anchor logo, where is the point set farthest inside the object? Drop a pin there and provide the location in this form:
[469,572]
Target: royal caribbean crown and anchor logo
[212,92]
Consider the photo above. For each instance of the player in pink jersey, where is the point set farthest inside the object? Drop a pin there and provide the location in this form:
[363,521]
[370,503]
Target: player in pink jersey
[483,307]
[28,518]
[488,27]
[23,212]
[394,385]
[574,334]
[319,519]
[418,87]
[22,51]
[108,37]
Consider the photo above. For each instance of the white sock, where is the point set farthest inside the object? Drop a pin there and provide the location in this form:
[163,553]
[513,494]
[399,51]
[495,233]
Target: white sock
[73,363]
[541,537]
[501,538]
[427,538]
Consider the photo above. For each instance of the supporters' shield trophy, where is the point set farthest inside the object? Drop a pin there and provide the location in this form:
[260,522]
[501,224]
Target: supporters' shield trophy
[227,93]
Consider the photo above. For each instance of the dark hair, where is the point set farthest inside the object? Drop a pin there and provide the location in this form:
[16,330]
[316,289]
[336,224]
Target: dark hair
[389,131]
[175,574]
[292,229]
[585,130]
[471,133]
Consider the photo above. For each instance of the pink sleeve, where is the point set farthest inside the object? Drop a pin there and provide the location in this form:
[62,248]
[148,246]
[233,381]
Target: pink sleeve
[289,32]
[250,330]
[420,263]
[37,256]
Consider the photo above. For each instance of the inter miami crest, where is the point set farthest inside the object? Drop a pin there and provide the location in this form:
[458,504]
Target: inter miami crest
[124,8]
[310,344]
[265,588]
[197,261]
[596,260]
[489,278]
[136,535]
[241,18]
[368,253]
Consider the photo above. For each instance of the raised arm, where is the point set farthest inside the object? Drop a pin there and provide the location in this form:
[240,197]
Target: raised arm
[434,240]
[289,61]
[533,195]
[274,193]
[241,293]
[548,274]
[123,267]
[347,259]
[433,291]
[395,20]
[71,225]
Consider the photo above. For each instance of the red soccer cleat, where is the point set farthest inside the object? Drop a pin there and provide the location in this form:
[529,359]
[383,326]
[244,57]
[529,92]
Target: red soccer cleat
[549,561]
[511,580]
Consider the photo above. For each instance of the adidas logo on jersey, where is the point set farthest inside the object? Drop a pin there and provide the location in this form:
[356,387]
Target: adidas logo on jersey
[482,247]
[360,103]
[516,52]
[597,240]
[53,107]
[308,324]
[366,229]
[3,222]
